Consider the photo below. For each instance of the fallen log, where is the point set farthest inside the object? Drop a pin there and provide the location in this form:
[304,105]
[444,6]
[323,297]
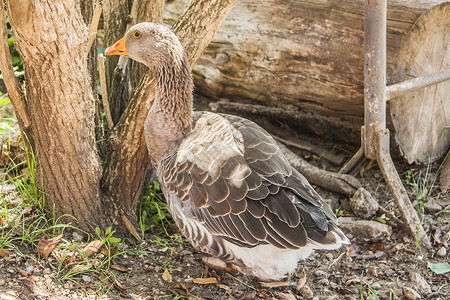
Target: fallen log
[308,54]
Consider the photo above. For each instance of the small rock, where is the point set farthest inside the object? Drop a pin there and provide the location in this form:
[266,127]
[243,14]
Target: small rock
[2,282]
[77,237]
[306,292]
[319,273]
[422,286]
[364,229]
[442,252]
[86,278]
[376,286]
[411,294]
[432,207]
[363,204]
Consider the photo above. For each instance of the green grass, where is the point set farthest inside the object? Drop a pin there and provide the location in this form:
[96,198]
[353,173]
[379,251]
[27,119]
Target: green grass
[153,210]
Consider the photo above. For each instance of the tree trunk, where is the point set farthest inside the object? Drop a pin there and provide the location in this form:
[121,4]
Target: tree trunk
[52,39]
[308,54]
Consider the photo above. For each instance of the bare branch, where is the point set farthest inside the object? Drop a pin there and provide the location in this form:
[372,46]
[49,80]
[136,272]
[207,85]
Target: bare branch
[101,72]
[12,84]
[93,26]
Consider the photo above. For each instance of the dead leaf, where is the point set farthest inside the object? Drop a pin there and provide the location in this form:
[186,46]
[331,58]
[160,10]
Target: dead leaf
[130,227]
[1,221]
[92,248]
[209,280]
[284,296]
[111,251]
[80,268]
[121,268]
[302,281]
[437,237]
[395,248]
[224,287]
[118,285]
[274,284]
[4,252]
[356,279]
[27,210]
[377,246]
[166,276]
[45,246]
[22,272]
[353,249]
[180,289]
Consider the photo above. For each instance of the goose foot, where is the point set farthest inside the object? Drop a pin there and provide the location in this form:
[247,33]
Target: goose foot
[217,263]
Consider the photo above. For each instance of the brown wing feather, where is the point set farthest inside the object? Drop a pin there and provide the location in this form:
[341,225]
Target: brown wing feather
[237,183]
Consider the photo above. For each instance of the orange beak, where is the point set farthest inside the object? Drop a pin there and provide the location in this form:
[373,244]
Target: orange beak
[118,48]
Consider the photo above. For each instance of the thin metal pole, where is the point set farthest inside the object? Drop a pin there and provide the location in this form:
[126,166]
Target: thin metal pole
[374,72]
[376,133]
[398,89]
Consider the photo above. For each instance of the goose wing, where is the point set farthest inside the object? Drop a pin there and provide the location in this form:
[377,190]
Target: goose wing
[230,175]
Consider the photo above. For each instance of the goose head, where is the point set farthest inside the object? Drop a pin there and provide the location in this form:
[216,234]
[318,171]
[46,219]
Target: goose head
[152,44]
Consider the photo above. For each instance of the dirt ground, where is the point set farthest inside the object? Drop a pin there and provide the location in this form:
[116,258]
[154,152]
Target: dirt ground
[167,267]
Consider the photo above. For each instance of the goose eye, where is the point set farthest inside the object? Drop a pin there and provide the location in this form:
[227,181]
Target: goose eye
[137,34]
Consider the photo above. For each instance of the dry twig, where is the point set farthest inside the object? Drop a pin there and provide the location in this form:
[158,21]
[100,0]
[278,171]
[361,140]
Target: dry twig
[12,84]
[93,27]
[101,72]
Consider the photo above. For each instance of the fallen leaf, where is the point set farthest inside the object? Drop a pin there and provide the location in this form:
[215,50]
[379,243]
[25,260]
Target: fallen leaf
[121,268]
[274,284]
[80,268]
[284,296]
[225,287]
[1,221]
[356,279]
[377,246]
[130,227]
[353,249]
[118,285]
[45,246]
[209,280]
[4,252]
[249,296]
[92,248]
[302,281]
[439,268]
[109,251]
[27,210]
[395,248]
[180,289]
[437,237]
[166,276]
[22,272]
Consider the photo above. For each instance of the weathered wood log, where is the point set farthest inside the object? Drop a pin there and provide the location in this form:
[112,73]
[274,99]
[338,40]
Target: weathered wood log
[421,118]
[305,53]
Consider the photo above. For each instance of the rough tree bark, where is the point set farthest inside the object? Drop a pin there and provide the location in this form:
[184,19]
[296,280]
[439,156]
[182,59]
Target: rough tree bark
[51,37]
